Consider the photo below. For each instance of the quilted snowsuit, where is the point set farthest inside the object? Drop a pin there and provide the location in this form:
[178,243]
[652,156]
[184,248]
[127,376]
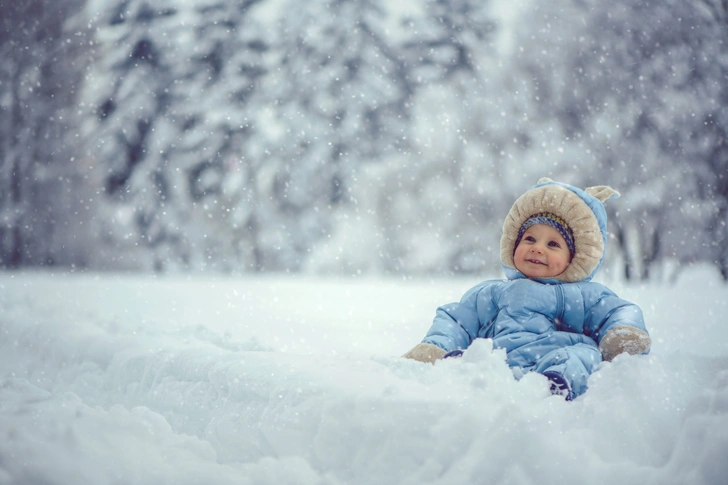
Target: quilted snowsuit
[543,327]
[547,326]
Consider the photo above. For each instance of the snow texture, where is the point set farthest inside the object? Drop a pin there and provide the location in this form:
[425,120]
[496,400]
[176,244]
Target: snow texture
[120,379]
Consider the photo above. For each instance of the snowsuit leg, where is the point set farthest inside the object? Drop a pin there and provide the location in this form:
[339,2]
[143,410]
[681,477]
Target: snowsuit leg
[574,363]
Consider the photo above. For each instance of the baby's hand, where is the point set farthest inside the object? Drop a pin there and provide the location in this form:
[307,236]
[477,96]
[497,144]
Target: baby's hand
[624,339]
[427,353]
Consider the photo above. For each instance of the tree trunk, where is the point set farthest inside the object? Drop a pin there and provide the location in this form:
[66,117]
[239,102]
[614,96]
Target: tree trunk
[15,254]
[623,245]
[650,253]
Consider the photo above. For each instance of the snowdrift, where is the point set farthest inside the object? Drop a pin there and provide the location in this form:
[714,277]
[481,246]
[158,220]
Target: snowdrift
[111,379]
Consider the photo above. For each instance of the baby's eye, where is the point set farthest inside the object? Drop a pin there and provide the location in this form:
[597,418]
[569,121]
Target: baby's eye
[530,239]
[554,244]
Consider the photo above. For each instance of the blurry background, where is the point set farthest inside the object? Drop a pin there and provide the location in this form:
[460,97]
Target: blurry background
[355,136]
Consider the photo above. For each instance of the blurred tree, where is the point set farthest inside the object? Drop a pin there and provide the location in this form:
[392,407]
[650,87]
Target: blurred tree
[641,85]
[172,91]
[43,197]
[231,130]
[341,96]
[435,203]
[246,135]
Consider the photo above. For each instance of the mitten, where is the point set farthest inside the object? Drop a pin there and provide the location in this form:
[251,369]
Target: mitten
[624,339]
[425,353]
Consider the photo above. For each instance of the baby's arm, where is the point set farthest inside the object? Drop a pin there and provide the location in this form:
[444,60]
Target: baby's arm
[617,325]
[456,324]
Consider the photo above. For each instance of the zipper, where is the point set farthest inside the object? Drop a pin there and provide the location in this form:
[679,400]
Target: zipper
[561,305]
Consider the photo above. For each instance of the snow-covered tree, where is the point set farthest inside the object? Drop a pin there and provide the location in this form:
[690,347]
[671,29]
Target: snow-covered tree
[44,196]
[352,134]
[231,130]
[639,88]
[435,203]
[340,95]
[173,93]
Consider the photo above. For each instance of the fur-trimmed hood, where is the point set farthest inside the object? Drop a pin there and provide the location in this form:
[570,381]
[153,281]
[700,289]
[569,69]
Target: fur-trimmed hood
[583,211]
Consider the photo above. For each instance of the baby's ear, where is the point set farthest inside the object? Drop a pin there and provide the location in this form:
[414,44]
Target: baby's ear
[602,192]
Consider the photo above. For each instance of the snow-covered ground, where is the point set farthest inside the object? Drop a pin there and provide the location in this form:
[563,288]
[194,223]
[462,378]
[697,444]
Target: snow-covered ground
[121,379]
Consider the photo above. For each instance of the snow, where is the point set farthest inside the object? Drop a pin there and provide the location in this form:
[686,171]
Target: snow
[129,379]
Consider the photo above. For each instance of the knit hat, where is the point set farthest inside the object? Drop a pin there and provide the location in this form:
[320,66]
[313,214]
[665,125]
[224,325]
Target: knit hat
[550,220]
[579,214]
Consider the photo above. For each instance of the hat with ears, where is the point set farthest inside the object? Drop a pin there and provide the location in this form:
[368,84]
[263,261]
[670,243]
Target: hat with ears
[581,211]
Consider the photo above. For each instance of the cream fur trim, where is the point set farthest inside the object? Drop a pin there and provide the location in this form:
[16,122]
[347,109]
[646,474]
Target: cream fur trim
[559,200]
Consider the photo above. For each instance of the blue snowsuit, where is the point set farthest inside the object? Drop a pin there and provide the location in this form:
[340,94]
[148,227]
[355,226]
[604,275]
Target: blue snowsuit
[545,325]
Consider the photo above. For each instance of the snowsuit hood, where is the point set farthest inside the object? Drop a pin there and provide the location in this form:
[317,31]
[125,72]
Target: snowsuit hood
[583,211]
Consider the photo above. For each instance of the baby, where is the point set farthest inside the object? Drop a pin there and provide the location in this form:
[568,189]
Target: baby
[548,316]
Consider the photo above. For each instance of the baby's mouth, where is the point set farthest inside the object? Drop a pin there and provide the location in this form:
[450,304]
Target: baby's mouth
[535,261]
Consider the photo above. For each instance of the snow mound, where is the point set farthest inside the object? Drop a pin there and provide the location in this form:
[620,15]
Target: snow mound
[139,380]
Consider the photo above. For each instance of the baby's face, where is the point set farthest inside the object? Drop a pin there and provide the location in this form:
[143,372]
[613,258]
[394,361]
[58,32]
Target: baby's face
[542,252]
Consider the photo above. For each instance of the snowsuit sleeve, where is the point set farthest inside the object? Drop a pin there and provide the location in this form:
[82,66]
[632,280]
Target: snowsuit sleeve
[606,311]
[456,325]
